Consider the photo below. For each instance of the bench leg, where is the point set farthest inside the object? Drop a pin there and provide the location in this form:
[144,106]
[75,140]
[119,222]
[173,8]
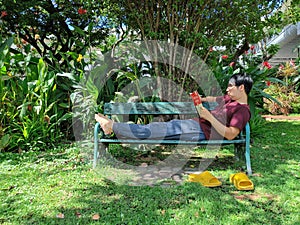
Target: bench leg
[239,152]
[99,148]
[242,152]
[96,144]
[247,156]
[247,150]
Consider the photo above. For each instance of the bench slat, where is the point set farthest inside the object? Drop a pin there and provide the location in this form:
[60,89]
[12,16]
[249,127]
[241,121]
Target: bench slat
[172,142]
[150,108]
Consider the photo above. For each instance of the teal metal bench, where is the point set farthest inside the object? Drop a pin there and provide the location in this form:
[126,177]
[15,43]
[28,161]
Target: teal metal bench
[241,143]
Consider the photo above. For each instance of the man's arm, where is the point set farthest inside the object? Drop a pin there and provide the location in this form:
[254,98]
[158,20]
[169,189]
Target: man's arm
[208,99]
[227,132]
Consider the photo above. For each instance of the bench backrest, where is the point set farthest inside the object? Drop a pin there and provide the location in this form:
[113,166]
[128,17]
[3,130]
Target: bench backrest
[151,108]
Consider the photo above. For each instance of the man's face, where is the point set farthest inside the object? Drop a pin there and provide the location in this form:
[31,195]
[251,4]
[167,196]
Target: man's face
[234,91]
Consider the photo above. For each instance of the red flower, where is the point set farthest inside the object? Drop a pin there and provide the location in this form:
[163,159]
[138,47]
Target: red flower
[267,65]
[268,83]
[224,56]
[3,14]
[211,49]
[252,47]
[82,11]
[231,64]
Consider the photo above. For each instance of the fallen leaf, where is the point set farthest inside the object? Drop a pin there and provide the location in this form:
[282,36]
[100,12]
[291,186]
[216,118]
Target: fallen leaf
[253,197]
[240,197]
[60,216]
[257,175]
[12,187]
[143,165]
[78,214]
[96,217]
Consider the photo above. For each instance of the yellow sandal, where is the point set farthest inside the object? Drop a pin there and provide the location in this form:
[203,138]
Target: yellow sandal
[205,178]
[241,182]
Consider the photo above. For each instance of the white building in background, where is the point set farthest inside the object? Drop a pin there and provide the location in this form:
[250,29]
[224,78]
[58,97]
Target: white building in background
[289,44]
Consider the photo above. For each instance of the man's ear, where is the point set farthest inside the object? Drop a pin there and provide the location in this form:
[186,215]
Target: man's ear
[242,87]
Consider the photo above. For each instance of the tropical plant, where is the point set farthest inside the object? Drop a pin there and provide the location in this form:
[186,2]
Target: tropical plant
[285,92]
[31,113]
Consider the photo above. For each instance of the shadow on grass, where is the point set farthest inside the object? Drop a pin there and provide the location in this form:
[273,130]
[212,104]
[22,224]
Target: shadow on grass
[44,187]
[186,204]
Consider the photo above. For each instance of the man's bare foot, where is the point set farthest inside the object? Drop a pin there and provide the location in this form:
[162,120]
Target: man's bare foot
[105,123]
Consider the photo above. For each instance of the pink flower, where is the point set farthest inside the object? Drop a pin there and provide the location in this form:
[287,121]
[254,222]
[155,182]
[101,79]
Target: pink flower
[281,67]
[292,63]
[231,64]
[3,14]
[82,11]
[224,56]
[246,52]
[211,49]
[267,65]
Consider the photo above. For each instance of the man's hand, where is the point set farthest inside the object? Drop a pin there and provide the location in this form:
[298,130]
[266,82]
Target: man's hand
[204,113]
[227,132]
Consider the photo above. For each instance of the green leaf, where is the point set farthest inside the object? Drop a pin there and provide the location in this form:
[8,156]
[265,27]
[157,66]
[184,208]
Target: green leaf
[7,44]
[3,70]
[49,107]
[68,75]
[25,132]
[4,141]
[92,89]
[64,105]
[41,69]
[65,117]
[264,94]
[79,30]
[91,26]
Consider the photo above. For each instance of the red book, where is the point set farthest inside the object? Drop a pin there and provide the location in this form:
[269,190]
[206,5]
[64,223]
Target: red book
[196,98]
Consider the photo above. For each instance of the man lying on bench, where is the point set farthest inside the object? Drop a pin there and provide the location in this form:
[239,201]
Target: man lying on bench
[225,121]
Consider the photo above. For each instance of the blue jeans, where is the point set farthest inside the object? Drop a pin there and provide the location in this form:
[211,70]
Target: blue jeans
[187,130]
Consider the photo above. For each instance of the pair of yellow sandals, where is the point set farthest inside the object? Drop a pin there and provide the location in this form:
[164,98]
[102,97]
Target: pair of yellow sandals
[240,180]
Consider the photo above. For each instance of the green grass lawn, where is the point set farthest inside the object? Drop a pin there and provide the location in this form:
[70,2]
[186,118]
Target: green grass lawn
[62,188]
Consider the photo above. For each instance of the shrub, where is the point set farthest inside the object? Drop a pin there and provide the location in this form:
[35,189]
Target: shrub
[285,91]
[30,112]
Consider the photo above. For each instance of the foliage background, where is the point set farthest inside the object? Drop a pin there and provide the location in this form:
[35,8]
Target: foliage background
[47,46]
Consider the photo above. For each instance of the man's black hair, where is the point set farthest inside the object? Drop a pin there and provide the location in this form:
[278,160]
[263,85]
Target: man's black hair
[242,78]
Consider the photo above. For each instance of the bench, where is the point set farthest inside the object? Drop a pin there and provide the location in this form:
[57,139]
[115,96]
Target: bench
[241,142]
